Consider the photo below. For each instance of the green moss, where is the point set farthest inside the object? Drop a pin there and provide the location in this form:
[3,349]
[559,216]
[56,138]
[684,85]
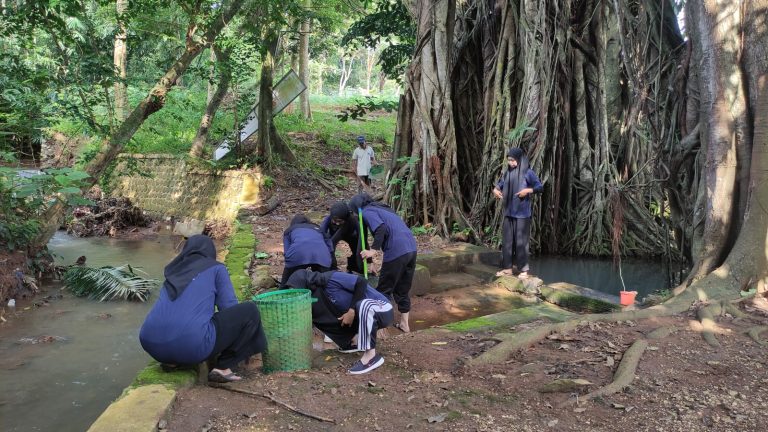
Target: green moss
[576,302]
[239,255]
[470,324]
[152,374]
[453,415]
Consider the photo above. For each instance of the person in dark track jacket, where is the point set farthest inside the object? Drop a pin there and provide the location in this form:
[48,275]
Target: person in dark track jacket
[346,305]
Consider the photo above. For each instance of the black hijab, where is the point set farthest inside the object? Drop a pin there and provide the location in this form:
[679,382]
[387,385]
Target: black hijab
[364,200]
[308,279]
[199,254]
[514,177]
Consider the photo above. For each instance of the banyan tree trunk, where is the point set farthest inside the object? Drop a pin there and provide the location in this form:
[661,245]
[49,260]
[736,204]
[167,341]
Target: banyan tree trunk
[588,88]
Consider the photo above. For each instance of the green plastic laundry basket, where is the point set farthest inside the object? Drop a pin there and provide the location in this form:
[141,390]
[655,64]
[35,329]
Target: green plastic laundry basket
[286,316]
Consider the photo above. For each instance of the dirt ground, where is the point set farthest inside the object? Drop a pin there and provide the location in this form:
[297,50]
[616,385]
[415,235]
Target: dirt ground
[681,384]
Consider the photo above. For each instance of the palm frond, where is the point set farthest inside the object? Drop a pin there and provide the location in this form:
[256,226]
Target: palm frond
[109,283]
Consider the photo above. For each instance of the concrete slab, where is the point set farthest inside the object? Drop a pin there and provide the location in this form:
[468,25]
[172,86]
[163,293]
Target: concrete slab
[464,303]
[138,410]
[449,281]
[579,299]
[484,272]
[422,281]
[512,317]
[450,260]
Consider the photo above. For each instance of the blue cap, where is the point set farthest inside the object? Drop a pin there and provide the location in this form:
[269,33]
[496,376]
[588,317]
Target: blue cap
[361,139]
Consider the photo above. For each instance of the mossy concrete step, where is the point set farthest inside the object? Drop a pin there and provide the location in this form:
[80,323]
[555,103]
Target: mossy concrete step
[464,303]
[511,318]
[450,281]
[484,272]
[452,259]
[139,410]
[579,299]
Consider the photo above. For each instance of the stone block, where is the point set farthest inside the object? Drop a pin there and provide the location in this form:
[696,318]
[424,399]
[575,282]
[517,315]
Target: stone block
[189,227]
[138,411]
[422,281]
[261,279]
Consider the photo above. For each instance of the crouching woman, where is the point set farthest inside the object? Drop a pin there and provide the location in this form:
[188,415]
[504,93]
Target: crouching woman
[346,305]
[183,328]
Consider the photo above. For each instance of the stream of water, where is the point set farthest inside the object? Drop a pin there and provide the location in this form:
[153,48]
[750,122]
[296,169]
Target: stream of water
[64,385]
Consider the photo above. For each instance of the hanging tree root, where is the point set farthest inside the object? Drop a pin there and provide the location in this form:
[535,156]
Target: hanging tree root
[274,400]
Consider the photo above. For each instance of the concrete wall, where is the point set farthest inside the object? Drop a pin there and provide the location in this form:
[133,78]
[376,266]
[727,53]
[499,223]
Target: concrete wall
[175,187]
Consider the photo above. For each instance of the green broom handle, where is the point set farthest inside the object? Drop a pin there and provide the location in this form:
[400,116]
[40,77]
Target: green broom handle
[362,241]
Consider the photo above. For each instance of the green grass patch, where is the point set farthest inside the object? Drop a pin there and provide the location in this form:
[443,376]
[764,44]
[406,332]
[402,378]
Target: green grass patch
[471,324]
[379,130]
[239,255]
[152,374]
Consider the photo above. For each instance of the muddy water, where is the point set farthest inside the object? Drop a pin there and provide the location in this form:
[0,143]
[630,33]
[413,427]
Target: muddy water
[645,277]
[64,384]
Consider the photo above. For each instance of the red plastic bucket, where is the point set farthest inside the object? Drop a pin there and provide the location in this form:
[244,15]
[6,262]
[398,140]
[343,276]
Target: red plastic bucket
[627,298]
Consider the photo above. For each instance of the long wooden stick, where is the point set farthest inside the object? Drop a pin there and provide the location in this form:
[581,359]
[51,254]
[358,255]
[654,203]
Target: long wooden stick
[273,399]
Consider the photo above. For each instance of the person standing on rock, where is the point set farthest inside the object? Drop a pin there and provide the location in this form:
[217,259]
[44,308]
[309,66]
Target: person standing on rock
[305,246]
[364,159]
[347,306]
[515,189]
[183,327]
[394,240]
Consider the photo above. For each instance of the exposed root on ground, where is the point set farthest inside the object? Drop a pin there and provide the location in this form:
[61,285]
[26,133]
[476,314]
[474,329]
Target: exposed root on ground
[706,315]
[512,342]
[755,332]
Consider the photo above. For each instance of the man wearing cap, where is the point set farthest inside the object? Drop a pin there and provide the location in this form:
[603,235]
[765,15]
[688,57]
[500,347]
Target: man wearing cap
[364,159]
[515,189]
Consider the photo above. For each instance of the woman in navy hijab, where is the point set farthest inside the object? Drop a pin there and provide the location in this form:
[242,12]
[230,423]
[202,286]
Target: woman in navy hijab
[184,327]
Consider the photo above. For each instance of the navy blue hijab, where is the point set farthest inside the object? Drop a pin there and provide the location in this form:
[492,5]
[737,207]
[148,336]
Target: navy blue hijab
[199,254]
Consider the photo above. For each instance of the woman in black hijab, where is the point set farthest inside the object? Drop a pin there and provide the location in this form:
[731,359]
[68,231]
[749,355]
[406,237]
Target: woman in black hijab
[184,328]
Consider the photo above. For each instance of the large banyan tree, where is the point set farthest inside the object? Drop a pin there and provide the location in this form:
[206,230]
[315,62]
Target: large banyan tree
[647,142]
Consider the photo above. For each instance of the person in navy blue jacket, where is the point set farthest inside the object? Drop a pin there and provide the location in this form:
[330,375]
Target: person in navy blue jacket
[393,238]
[305,246]
[342,225]
[515,189]
[346,305]
[183,327]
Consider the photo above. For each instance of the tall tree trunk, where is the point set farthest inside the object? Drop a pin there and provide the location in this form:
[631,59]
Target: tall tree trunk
[306,28]
[269,142]
[120,60]
[153,102]
[295,66]
[723,127]
[345,73]
[214,100]
[370,60]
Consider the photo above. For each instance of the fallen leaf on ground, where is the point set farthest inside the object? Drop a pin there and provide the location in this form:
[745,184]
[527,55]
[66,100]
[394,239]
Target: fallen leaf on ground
[618,406]
[579,410]
[564,385]
[439,343]
[552,423]
[609,361]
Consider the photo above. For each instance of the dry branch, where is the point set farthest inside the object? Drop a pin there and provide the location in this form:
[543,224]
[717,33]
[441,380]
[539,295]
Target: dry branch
[273,399]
